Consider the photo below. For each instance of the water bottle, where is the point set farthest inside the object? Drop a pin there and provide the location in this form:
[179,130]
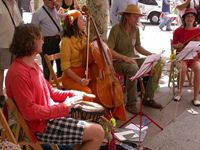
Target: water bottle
[145,121]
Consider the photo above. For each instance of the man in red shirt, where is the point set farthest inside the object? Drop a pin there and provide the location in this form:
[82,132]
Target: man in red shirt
[44,108]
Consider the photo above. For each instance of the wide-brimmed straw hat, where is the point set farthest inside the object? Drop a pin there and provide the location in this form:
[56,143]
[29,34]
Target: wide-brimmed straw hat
[132,9]
[190,11]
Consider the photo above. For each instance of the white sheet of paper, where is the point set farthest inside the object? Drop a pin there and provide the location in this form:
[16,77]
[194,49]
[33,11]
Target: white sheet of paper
[136,128]
[193,112]
[120,135]
[189,52]
[146,66]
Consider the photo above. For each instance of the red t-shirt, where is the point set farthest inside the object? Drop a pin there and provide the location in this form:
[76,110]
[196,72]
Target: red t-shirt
[181,35]
[34,95]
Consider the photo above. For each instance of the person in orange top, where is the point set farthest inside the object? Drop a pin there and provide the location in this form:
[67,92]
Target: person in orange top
[73,50]
[73,56]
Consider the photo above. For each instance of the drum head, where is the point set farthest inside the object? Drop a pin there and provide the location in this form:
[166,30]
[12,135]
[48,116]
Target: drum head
[91,106]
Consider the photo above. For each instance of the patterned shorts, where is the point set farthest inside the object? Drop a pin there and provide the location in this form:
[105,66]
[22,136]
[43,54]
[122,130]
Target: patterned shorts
[63,131]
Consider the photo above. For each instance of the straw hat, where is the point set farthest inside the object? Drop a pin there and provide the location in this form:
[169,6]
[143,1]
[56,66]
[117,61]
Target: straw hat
[132,9]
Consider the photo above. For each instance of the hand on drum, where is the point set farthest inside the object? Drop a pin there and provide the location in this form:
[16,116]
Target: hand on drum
[77,98]
[80,94]
[71,103]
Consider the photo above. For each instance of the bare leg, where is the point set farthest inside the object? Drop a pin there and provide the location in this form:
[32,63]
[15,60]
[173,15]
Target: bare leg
[92,137]
[196,69]
[181,77]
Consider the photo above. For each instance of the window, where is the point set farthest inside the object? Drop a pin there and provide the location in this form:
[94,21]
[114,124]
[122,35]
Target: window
[148,2]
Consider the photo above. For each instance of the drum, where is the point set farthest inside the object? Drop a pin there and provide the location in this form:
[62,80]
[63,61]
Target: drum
[88,111]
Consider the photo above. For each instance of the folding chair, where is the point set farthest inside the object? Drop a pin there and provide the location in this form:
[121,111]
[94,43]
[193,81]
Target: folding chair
[173,75]
[53,79]
[6,131]
[22,126]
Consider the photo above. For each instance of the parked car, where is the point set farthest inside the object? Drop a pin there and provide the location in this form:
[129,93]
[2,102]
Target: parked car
[151,9]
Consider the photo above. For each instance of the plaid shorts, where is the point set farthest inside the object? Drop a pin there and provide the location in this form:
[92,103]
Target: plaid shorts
[63,131]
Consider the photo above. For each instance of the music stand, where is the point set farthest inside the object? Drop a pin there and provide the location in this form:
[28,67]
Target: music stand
[143,71]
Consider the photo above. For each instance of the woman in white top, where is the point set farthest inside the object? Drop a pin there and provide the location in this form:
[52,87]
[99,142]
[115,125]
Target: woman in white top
[183,4]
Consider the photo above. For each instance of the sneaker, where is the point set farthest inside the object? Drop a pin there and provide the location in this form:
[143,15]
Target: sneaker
[132,109]
[196,103]
[152,103]
[177,97]
[2,100]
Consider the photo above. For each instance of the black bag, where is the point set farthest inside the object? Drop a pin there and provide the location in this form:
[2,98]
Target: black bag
[123,146]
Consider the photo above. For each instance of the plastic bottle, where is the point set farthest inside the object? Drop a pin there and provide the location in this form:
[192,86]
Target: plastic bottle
[145,121]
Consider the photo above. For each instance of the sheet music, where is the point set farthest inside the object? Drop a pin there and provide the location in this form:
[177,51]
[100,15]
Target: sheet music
[146,66]
[189,52]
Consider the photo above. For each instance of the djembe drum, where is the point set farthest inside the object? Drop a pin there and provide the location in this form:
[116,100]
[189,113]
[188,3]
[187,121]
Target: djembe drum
[88,111]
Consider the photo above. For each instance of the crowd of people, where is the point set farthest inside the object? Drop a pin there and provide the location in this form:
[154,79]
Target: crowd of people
[46,109]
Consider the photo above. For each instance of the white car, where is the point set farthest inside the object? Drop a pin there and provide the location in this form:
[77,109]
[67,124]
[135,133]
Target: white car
[151,9]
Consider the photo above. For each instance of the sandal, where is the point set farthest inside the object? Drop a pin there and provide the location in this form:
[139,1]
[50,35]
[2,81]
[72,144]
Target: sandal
[196,103]
[177,97]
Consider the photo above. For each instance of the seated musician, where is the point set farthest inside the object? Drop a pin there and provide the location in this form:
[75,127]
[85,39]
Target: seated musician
[44,108]
[124,38]
[182,35]
[73,57]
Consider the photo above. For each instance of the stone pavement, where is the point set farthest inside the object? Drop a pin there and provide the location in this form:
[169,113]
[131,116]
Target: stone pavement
[180,128]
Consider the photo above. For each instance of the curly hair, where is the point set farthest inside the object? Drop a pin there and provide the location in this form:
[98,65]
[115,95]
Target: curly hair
[23,42]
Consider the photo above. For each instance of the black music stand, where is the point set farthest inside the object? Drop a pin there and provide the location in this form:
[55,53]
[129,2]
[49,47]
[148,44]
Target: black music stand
[143,71]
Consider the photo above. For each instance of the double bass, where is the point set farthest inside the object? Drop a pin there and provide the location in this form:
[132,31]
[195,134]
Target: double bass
[104,82]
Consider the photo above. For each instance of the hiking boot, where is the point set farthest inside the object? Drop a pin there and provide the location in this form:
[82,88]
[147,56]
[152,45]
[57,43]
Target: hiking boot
[132,109]
[2,100]
[152,103]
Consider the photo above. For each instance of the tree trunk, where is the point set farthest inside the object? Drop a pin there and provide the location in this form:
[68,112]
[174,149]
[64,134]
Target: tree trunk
[99,9]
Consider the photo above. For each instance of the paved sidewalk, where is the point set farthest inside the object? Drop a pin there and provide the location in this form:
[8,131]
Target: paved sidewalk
[181,134]
[181,128]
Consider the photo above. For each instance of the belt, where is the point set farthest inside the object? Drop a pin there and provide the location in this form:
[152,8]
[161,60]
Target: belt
[52,37]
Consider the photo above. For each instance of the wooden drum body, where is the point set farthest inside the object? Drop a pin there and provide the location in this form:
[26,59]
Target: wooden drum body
[88,111]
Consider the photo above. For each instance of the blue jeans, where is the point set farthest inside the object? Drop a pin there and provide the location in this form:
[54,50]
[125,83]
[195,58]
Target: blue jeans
[165,21]
[61,147]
